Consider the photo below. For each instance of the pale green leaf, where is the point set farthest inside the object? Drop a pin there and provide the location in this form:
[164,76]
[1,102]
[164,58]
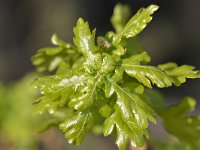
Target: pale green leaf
[179,123]
[83,38]
[57,91]
[141,58]
[125,129]
[148,75]
[145,74]
[51,57]
[77,127]
[109,89]
[55,40]
[180,73]
[136,24]
[93,63]
[133,108]
[120,16]
[107,64]
[84,95]
[104,85]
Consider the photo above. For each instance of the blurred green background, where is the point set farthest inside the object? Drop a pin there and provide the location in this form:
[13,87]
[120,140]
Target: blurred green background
[27,25]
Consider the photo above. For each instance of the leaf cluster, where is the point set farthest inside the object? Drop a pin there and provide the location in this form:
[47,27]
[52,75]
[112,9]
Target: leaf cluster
[103,80]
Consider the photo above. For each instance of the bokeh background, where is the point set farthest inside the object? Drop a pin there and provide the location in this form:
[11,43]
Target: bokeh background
[26,26]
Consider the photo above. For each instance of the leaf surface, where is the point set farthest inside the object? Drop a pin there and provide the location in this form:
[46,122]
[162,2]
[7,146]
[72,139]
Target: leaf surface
[136,24]
[51,57]
[126,130]
[180,124]
[145,74]
[83,38]
[120,16]
[180,73]
[77,127]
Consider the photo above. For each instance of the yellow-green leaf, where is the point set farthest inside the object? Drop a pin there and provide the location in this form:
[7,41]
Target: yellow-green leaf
[136,24]
[83,38]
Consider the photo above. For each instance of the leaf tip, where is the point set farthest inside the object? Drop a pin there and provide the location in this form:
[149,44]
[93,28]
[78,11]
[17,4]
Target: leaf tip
[153,7]
[54,38]
[191,102]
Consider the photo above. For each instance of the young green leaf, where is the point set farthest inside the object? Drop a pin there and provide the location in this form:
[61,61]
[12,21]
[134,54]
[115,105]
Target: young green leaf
[58,90]
[162,76]
[144,73]
[130,118]
[50,58]
[180,73]
[131,106]
[77,127]
[84,95]
[83,38]
[126,130]
[104,85]
[180,124]
[120,16]
[136,24]
[55,40]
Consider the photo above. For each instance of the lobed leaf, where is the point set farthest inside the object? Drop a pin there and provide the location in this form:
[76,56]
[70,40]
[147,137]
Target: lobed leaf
[130,118]
[132,107]
[105,83]
[147,75]
[51,57]
[126,130]
[84,95]
[83,38]
[176,116]
[162,76]
[136,24]
[57,91]
[77,127]
[180,73]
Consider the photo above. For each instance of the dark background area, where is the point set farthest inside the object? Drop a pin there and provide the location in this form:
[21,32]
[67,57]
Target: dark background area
[27,25]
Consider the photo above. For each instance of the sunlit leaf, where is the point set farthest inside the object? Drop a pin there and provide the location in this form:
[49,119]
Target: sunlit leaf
[126,130]
[51,57]
[146,74]
[83,38]
[180,73]
[77,127]
[105,86]
[136,24]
